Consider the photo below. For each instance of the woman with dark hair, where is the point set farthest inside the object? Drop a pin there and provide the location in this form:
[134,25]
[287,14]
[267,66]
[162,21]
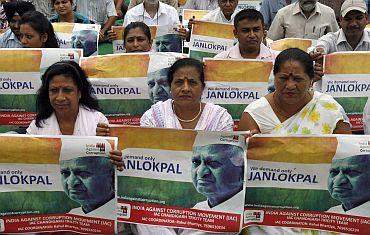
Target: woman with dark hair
[136,37]
[64,13]
[184,111]
[293,108]
[36,31]
[64,103]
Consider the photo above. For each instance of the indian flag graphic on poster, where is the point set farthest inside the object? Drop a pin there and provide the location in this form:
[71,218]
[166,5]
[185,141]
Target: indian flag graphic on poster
[57,184]
[234,84]
[167,170]
[126,85]
[209,38]
[81,36]
[301,43]
[307,182]
[188,14]
[165,39]
[347,79]
[20,79]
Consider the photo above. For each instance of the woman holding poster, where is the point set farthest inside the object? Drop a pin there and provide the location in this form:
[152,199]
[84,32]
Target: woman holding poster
[137,38]
[184,111]
[293,108]
[64,103]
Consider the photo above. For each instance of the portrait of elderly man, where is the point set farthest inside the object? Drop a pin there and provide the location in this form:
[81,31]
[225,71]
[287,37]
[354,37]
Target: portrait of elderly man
[158,87]
[168,43]
[349,183]
[89,181]
[86,40]
[218,173]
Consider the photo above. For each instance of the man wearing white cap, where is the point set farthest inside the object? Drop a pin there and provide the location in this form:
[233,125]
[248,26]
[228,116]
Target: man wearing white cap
[349,183]
[351,37]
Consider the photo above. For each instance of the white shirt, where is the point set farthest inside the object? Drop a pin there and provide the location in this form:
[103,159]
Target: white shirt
[96,10]
[366,120]
[290,22]
[234,53]
[85,125]
[217,16]
[201,4]
[361,210]
[166,15]
[105,211]
[334,42]
[9,40]
[235,204]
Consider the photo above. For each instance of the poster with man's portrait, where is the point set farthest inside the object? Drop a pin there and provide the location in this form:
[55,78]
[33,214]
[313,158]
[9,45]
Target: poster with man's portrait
[64,183]
[207,167]
[80,36]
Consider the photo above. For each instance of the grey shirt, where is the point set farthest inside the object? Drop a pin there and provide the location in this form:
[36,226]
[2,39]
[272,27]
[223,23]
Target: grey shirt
[333,42]
[290,22]
[269,8]
[201,4]
[9,40]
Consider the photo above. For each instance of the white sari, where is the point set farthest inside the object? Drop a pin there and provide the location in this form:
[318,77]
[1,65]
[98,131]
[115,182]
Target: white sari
[319,116]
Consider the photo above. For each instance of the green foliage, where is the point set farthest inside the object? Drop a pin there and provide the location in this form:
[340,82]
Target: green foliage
[18,102]
[169,193]
[302,199]
[125,107]
[352,105]
[43,202]
[235,110]
[199,55]
[4,128]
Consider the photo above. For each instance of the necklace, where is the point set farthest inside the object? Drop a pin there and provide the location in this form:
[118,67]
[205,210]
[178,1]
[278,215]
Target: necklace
[278,107]
[189,120]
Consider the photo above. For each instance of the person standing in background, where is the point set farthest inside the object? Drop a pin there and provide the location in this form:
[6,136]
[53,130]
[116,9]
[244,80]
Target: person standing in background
[173,3]
[269,8]
[303,19]
[102,12]
[201,4]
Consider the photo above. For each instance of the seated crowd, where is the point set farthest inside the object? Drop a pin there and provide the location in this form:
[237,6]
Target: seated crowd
[65,105]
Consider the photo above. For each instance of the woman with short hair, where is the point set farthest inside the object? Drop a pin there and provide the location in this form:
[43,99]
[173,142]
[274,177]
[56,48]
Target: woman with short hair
[65,105]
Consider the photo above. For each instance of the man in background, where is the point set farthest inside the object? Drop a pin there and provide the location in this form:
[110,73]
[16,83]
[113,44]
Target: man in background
[102,12]
[13,12]
[303,19]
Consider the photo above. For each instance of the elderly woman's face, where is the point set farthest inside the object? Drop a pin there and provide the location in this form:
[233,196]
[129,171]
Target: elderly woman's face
[292,82]
[186,86]
[64,95]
